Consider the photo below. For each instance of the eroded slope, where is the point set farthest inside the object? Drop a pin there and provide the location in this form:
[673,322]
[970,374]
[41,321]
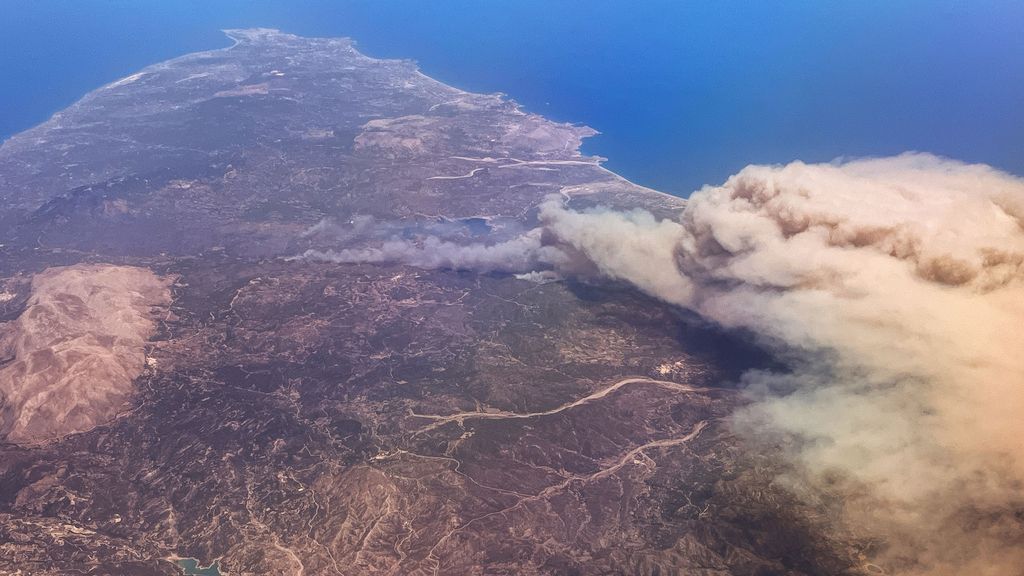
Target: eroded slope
[74,351]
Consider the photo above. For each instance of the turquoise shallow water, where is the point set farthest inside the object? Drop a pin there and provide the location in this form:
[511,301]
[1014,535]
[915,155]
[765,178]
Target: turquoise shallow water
[191,567]
[684,92]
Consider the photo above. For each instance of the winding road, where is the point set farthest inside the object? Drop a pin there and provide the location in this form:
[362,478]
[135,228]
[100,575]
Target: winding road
[460,417]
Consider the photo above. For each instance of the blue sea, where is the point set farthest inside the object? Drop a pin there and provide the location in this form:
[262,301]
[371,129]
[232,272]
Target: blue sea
[684,92]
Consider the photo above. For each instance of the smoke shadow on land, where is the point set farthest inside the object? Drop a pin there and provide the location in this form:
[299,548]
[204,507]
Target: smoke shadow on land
[730,352]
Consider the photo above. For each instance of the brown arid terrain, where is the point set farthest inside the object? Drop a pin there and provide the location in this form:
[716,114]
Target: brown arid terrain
[72,354]
[280,308]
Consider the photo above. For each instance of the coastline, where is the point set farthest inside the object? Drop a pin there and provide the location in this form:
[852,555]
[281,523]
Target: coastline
[242,36]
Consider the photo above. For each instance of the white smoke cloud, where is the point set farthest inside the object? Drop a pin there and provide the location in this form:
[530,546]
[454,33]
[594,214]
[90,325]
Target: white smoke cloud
[631,246]
[520,253]
[897,288]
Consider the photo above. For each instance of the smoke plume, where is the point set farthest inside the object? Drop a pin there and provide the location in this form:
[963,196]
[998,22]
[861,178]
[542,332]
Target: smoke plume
[895,287]
[520,253]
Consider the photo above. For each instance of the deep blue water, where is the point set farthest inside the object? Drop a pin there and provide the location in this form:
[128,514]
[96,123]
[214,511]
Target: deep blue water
[684,92]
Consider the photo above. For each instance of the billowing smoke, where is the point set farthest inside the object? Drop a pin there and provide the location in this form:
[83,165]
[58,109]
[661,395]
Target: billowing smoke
[521,253]
[895,288]
[894,291]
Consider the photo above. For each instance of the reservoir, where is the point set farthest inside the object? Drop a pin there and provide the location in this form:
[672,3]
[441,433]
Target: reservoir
[191,567]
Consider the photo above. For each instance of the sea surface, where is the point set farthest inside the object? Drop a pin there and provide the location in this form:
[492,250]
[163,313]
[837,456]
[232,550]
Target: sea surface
[684,92]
